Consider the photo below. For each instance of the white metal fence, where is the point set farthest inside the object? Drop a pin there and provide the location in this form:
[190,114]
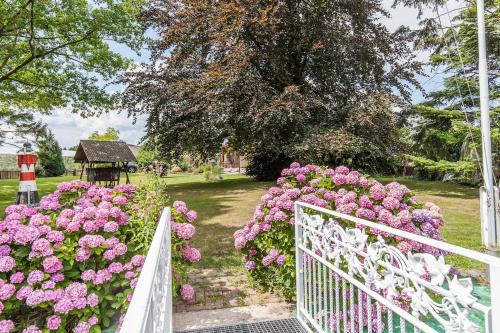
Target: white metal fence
[349,282]
[150,310]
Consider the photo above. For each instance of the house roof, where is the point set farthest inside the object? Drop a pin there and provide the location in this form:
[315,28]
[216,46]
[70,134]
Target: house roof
[103,152]
[135,149]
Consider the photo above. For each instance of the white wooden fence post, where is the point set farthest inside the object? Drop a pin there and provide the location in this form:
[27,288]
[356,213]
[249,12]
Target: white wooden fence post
[494,271]
[299,261]
[150,310]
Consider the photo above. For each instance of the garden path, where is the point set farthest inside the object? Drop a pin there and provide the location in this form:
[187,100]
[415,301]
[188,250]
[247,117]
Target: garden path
[225,288]
[223,291]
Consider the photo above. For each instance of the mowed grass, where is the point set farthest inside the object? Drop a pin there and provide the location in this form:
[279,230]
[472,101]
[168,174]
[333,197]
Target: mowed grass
[222,207]
[9,187]
[225,206]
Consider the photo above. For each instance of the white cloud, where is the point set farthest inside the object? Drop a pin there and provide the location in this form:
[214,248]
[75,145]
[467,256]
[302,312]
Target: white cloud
[70,128]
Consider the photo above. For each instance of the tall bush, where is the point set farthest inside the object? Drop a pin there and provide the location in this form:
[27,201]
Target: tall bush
[50,156]
[267,241]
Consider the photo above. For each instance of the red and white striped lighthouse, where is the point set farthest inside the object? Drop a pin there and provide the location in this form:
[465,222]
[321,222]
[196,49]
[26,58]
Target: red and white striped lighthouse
[26,160]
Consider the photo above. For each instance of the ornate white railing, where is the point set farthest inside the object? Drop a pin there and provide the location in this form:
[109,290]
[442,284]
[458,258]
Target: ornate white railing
[349,282]
[150,310]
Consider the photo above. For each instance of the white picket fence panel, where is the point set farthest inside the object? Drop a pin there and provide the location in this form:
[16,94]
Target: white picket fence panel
[150,310]
[341,274]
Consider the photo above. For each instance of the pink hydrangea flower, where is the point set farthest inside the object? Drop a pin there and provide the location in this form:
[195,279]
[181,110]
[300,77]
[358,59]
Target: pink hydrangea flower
[301,178]
[180,207]
[32,329]
[187,292]
[57,277]
[17,277]
[92,300]
[111,227]
[23,292]
[185,230]
[82,254]
[115,267]
[76,290]
[6,291]
[250,265]
[35,276]
[191,254]
[191,216]
[82,327]
[52,264]
[377,192]
[53,322]
[6,326]
[7,263]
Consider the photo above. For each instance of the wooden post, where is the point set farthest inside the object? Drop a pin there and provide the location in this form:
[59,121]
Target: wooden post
[83,168]
[126,173]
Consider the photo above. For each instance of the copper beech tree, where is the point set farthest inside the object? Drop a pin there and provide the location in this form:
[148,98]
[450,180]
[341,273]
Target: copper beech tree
[279,80]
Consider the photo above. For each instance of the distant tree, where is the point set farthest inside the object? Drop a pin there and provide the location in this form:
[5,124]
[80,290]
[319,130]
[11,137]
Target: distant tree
[111,134]
[50,156]
[145,157]
[57,54]
[268,77]
[445,127]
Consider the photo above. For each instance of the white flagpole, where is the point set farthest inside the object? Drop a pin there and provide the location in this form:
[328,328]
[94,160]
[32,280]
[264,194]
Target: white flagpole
[490,218]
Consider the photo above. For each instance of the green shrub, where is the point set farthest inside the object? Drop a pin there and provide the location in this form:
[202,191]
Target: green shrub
[185,166]
[461,171]
[51,162]
[212,173]
[145,157]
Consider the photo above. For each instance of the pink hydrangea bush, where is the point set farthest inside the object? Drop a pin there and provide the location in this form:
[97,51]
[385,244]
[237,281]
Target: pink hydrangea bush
[267,240]
[183,255]
[71,262]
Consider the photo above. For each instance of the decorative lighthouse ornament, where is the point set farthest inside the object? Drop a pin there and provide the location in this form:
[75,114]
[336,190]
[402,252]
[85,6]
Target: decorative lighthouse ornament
[26,160]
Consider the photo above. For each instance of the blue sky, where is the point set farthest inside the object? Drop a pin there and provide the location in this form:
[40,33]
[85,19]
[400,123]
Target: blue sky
[69,128]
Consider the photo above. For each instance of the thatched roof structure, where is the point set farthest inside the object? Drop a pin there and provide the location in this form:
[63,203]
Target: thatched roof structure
[90,151]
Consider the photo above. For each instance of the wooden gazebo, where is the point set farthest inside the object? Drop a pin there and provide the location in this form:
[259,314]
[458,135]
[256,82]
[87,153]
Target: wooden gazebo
[103,161]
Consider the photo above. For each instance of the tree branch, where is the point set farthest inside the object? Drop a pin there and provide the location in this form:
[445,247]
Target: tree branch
[73,59]
[32,57]
[33,84]
[9,55]
[2,29]
[32,28]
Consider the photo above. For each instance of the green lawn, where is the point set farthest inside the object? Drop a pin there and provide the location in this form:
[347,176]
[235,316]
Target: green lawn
[225,206]
[8,187]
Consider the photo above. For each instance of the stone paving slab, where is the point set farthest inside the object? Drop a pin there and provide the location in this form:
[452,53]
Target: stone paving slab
[219,289]
[231,316]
